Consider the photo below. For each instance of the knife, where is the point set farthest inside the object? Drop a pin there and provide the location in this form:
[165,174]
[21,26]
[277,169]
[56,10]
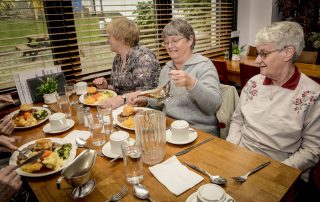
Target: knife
[31,159]
[192,147]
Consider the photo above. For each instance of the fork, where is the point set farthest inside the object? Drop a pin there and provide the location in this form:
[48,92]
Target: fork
[243,178]
[123,191]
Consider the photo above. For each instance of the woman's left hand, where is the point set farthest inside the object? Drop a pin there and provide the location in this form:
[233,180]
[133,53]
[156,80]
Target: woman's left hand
[182,79]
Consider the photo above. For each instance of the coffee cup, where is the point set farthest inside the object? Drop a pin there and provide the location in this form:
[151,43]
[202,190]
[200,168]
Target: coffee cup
[58,121]
[212,193]
[81,87]
[180,130]
[116,140]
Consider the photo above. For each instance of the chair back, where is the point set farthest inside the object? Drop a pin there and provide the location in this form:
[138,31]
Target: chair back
[252,51]
[222,70]
[246,72]
[316,79]
[229,103]
[309,57]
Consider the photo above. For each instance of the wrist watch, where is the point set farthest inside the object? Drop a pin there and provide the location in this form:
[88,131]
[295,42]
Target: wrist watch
[124,98]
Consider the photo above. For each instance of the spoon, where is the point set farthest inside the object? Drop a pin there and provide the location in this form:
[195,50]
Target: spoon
[215,179]
[46,106]
[82,143]
[142,192]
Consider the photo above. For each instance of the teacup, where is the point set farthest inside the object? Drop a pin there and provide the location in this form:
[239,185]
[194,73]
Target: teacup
[81,87]
[212,193]
[116,140]
[180,130]
[58,121]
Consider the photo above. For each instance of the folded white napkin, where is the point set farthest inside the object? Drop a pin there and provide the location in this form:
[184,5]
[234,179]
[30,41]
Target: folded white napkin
[175,176]
[76,133]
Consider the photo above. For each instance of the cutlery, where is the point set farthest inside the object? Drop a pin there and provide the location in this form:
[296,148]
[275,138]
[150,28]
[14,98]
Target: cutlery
[243,178]
[30,160]
[52,110]
[142,192]
[215,179]
[82,143]
[114,159]
[192,147]
[123,191]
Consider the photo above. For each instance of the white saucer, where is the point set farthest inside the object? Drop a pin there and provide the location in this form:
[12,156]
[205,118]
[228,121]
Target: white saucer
[193,197]
[192,137]
[106,150]
[47,128]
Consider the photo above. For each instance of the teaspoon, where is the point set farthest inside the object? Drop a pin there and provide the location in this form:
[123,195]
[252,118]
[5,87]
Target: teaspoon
[142,192]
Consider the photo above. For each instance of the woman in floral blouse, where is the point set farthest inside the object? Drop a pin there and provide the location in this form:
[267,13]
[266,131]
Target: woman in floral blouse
[134,67]
[278,114]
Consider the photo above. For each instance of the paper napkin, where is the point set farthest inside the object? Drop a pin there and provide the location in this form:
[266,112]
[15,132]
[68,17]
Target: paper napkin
[76,133]
[175,176]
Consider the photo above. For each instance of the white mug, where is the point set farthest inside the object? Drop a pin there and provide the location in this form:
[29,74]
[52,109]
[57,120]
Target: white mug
[212,193]
[58,121]
[180,130]
[116,140]
[81,87]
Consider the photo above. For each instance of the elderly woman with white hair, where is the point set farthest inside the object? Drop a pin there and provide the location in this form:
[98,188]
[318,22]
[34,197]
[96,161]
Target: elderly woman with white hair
[278,114]
[194,82]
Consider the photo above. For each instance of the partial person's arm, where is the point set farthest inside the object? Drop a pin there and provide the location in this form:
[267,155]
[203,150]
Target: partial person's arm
[308,154]
[236,124]
[6,125]
[7,144]
[101,82]
[10,182]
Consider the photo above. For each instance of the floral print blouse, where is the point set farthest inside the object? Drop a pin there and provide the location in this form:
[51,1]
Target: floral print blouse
[141,71]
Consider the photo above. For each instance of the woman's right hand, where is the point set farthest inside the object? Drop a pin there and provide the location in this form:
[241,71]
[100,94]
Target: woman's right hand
[6,125]
[101,83]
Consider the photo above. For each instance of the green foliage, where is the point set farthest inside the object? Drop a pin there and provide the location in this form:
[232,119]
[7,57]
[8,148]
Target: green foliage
[145,13]
[196,10]
[236,49]
[6,5]
[314,38]
[49,84]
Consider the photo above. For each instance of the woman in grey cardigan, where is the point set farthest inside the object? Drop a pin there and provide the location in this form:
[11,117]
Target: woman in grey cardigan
[194,82]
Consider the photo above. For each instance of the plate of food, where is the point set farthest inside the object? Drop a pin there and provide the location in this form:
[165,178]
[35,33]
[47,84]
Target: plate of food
[124,115]
[58,154]
[28,116]
[94,97]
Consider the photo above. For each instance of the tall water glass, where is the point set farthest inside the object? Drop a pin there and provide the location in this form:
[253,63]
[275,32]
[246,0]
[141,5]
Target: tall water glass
[105,114]
[96,128]
[69,89]
[63,104]
[150,127]
[131,151]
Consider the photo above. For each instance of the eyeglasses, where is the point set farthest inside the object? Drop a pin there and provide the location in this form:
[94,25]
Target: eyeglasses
[173,42]
[264,54]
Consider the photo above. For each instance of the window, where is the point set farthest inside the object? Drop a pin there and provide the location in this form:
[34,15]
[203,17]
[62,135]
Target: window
[71,33]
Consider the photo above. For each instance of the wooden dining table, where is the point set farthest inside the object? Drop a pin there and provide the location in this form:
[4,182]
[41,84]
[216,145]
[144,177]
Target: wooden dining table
[219,157]
[234,67]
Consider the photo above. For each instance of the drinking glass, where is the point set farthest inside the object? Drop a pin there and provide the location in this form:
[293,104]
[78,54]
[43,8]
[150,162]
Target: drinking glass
[96,128]
[69,89]
[131,151]
[105,114]
[63,103]
[150,127]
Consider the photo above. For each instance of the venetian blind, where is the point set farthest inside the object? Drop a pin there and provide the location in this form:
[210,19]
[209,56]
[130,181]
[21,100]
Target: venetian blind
[36,34]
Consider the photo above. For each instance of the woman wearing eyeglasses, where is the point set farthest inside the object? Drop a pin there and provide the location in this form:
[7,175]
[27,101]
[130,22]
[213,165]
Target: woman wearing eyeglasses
[134,67]
[194,82]
[278,114]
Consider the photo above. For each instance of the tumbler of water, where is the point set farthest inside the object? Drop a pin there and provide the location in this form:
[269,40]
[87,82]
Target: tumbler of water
[96,128]
[63,103]
[105,114]
[226,55]
[132,158]
[150,127]
[69,89]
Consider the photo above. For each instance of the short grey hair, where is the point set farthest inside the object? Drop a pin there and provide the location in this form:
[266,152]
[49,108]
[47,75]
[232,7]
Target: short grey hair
[282,34]
[179,26]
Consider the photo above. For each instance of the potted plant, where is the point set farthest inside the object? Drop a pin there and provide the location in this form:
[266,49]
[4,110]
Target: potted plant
[236,50]
[48,88]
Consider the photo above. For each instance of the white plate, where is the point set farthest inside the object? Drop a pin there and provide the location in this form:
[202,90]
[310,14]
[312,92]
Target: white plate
[106,150]
[12,114]
[118,111]
[13,159]
[81,98]
[193,198]
[47,127]
[192,137]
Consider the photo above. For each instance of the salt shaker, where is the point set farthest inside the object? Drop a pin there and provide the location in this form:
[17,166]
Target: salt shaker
[87,116]
[80,114]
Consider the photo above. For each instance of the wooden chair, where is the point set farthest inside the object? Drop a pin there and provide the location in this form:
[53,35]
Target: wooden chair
[316,79]
[222,70]
[309,57]
[246,72]
[252,51]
